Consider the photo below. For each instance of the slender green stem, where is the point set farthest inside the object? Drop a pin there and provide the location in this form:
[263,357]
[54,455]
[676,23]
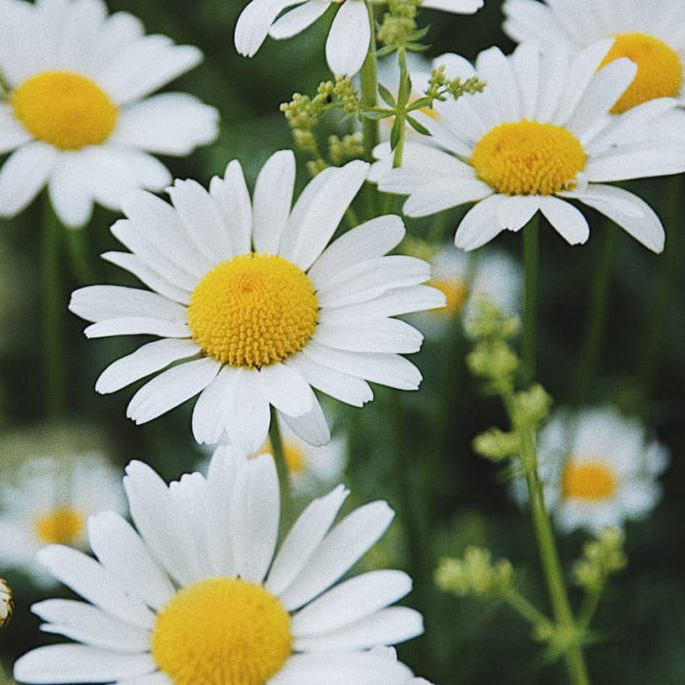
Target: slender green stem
[524,608]
[549,556]
[369,80]
[79,259]
[589,607]
[597,313]
[531,265]
[662,296]
[54,305]
[402,101]
[276,440]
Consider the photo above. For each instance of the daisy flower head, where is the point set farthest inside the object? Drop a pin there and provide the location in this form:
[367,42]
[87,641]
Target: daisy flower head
[538,136]
[77,115]
[252,306]
[197,591]
[464,281]
[49,501]
[349,40]
[648,33]
[599,469]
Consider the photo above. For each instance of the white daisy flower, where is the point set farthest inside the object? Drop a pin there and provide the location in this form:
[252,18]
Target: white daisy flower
[350,36]
[255,306]
[599,469]
[494,275]
[198,593]
[651,34]
[49,502]
[538,136]
[77,116]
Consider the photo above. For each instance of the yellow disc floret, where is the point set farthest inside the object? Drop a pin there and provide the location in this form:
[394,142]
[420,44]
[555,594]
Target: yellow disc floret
[591,481]
[222,632]
[253,310]
[455,292]
[528,158]
[659,69]
[64,109]
[62,526]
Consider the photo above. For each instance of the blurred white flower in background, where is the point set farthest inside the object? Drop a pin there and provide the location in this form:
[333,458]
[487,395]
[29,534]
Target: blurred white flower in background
[48,501]
[599,469]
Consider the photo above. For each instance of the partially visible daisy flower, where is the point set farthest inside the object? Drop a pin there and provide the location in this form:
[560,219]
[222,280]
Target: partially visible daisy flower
[538,136]
[464,281]
[78,117]
[349,40]
[648,33]
[49,502]
[6,603]
[312,469]
[255,306]
[599,469]
[198,593]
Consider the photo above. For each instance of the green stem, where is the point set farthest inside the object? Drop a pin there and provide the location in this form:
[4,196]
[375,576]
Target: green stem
[53,344]
[531,265]
[79,259]
[589,607]
[276,440]
[369,80]
[597,313]
[549,556]
[524,608]
[662,296]
[402,101]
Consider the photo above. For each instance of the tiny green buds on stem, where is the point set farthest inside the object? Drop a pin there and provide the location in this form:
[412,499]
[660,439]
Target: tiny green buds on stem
[497,445]
[476,574]
[601,558]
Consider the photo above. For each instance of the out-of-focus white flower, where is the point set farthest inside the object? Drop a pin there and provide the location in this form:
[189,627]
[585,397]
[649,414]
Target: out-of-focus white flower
[49,502]
[6,603]
[78,116]
[599,469]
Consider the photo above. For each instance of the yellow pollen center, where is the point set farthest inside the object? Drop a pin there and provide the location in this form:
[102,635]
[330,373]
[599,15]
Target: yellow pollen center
[222,632]
[64,109]
[456,293]
[62,526]
[528,158]
[253,310]
[590,481]
[659,69]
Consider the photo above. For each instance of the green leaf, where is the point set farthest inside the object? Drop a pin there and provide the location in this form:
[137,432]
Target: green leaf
[387,50]
[418,127]
[387,96]
[376,115]
[395,133]
[420,104]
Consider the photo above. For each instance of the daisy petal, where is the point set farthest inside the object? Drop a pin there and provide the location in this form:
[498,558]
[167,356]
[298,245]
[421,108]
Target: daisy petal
[480,225]
[349,39]
[312,426]
[233,200]
[338,551]
[247,411]
[285,389]
[298,19]
[254,23]
[566,220]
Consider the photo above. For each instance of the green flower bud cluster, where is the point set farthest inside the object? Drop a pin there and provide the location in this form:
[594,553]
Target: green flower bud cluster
[440,87]
[497,445]
[601,558]
[399,29]
[476,574]
[348,147]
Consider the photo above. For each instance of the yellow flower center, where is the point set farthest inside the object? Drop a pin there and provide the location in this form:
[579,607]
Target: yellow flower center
[64,109]
[592,481]
[659,69]
[62,526]
[253,310]
[222,632]
[456,293]
[294,458]
[528,158]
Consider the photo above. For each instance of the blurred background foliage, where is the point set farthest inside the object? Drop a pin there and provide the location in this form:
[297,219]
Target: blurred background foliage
[422,462]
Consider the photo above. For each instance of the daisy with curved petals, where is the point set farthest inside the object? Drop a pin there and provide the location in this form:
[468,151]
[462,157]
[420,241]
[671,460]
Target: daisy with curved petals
[255,307]
[599,469]
[539,135]
[198,593]
[49,502]
[651,34]
[350,36]
[77,115]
